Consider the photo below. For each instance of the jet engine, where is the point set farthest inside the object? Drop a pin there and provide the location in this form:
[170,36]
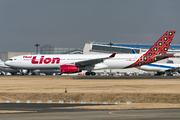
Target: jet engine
[69,69]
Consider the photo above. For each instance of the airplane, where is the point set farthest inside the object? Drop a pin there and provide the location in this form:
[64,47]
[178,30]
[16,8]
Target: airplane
[76,63]
[161,68]
[6,68]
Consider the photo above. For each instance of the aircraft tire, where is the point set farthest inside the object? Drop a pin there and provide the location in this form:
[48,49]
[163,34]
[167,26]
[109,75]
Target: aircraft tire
[2,73]
[93,73]
[87,73]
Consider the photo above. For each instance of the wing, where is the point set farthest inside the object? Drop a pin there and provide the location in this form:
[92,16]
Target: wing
[93,61]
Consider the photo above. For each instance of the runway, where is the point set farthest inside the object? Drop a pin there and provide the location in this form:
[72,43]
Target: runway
[138,89]
[43,107]
[44,112]
[126,77]
[96,77]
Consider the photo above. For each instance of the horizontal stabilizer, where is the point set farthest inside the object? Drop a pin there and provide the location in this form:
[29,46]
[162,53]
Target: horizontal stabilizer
[159,57]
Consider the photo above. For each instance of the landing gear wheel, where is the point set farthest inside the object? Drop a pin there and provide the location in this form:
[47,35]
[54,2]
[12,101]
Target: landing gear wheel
[87,73]
[33,73]
[93,73]
[169,74]
[1,73]
[90,73]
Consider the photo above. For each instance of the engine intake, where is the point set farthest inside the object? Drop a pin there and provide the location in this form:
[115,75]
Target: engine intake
[69,69]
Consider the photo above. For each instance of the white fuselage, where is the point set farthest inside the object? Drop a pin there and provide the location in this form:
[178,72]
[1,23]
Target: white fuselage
[159,67]
[6,68]
[55,61]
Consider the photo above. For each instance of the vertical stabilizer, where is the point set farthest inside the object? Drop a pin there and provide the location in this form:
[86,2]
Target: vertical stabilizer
[160,48]
[162,45]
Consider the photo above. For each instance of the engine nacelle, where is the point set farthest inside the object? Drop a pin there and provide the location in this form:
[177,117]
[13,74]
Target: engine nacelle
[69,69]
[24,72]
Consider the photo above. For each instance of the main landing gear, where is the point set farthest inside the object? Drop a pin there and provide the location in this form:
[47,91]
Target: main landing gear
[90,73]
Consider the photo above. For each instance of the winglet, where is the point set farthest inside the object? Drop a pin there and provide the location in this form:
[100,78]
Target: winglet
[112,55]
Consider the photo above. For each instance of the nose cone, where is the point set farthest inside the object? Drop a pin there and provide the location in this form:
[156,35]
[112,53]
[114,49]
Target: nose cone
[6,63]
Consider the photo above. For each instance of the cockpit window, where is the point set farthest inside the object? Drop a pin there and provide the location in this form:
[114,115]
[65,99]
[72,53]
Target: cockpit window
[10,59]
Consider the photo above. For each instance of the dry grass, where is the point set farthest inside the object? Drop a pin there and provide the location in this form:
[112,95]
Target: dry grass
[58,85]
[166,91]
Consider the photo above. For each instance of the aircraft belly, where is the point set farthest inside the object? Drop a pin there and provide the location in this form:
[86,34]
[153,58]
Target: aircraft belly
[43,66]
[8,69]
[35,66]
[100,66]
[148,68]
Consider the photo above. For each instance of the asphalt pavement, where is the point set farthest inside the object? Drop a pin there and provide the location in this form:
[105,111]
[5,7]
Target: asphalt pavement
[62,112]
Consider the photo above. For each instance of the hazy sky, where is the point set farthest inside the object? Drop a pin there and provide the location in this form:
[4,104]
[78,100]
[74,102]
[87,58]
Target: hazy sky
[72,23]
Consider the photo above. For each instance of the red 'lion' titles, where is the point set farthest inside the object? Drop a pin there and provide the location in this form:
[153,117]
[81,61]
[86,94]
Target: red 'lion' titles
[45,60]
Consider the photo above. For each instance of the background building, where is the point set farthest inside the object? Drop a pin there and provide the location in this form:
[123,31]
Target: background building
[91,48]
[100,48]
[45,49]
[6,55]
[49,49]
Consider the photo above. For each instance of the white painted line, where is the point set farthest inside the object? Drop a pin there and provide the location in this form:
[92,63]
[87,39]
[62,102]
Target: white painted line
[18,101]
[93,102]
[117,102]
[83,102]
[105,102]
[128,102]
[8,101]
[61,102]
[49,101]
[28,101]
[39,101]
[71,102]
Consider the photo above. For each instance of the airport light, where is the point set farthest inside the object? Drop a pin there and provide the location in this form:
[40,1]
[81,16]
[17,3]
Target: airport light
[110,44]
[37,45]
[110,52]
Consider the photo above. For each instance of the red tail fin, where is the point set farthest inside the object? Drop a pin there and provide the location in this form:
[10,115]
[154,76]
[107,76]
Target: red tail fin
[162,45]
[159,48]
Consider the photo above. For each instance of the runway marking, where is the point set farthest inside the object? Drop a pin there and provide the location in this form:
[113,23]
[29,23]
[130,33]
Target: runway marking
[146,116]
[114,113]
